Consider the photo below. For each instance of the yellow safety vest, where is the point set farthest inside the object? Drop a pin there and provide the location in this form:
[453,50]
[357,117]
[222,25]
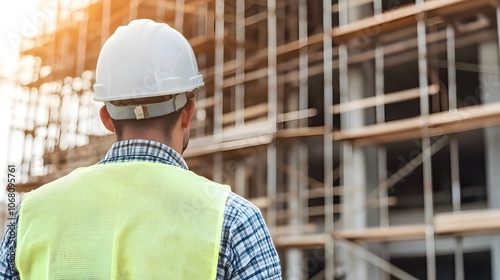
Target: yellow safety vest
[135,220]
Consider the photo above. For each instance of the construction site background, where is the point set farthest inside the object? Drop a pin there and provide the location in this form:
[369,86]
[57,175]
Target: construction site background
[366,131]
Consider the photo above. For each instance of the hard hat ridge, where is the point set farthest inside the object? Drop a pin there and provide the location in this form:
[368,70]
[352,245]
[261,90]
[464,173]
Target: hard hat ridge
[145,59]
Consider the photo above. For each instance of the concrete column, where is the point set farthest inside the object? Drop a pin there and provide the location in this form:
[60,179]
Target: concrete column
[489,87]
[356,174]
[294,257]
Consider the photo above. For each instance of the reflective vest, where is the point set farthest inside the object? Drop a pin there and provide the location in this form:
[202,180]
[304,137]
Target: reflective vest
[135,220]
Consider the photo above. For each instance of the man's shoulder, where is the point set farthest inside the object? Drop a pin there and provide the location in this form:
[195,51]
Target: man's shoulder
[246,245]
[51,188]
[239,210]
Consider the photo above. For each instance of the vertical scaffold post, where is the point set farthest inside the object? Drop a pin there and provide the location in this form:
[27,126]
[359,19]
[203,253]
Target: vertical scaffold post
[426,153]
[240,63]
[179,15]
[133,7]
[219,69]
[218,86]
[454,154]
[106,11]
[327,137]
[240,87]
[303,105]
[381,150]
[272,110]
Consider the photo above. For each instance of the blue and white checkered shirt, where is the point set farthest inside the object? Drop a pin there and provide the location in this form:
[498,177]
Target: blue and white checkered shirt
[246,250]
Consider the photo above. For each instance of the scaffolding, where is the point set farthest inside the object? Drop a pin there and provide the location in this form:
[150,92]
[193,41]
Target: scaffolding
[364,130]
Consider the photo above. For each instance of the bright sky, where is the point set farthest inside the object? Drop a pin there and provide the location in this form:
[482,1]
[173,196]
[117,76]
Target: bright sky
[14,16]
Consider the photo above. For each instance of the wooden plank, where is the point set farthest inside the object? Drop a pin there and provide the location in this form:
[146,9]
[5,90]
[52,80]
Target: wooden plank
[466,118]
[302,132]
[253,19]
[203,43]
[403,17]
[296,115]
[467,222]
[320,193]
[235,138]
[388,98]
[254,128]
[380,234]
[301,229]
[263,202]
[248,112]
[310,241]
[205,103]
[351,4]
[188,8]
[454,223]
[228,146]
[260,202]
[312,211]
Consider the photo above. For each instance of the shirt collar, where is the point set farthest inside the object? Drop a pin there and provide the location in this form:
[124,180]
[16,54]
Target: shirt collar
[143,150]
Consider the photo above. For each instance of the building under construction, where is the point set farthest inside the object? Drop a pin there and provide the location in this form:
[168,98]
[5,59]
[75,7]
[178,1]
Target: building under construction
[366,131]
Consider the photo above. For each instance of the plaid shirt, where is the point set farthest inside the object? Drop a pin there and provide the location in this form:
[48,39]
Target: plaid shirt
[246,250]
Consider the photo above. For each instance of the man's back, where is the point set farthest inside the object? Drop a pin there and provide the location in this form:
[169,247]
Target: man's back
[139,216]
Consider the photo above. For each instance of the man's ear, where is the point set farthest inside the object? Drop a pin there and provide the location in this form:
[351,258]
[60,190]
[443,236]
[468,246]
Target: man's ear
[106,119]
[187,114]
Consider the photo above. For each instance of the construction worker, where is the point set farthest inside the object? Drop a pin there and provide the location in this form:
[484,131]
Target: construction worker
[140,213]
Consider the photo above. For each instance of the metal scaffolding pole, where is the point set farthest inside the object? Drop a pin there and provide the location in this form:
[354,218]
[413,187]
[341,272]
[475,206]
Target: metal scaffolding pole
[455,193]
[240,180]
[381,150]
[218,171]
[327,137]
[201,113]
[106,10]
[454,154]
[380,115]
[271,187]
[452,76]
[272,63]
[240,63]
[377,7]
[296,198]
[160,10]
[427,163]
[294,256]
[303,104]
[272,111]
[179,15]
[303,61]
[219,70]
[82,44]
[134,6]
[239,89]
[498,28]
[343,12]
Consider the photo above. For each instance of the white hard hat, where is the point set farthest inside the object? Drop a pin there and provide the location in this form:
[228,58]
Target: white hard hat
[145,59]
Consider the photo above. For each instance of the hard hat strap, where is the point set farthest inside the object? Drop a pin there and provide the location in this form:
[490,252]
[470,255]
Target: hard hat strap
[145,111]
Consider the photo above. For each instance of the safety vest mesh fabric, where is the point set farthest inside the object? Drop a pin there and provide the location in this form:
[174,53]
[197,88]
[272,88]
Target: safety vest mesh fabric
[133,220]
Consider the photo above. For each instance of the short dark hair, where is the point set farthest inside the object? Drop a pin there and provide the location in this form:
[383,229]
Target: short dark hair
[164,123]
